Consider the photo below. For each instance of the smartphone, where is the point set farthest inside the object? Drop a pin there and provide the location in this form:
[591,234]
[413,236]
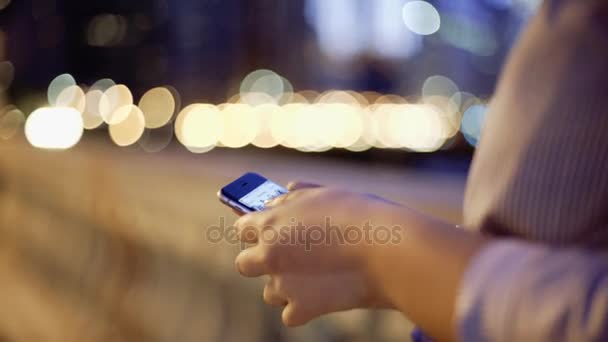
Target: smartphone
[250,192]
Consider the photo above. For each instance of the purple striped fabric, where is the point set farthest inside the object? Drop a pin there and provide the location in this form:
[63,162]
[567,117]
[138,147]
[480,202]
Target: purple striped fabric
[540,174]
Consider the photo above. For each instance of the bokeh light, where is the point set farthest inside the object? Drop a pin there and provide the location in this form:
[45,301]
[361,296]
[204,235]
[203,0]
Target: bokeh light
[57,85]
[199,127]
[103,84]
[438,85]
[117,96]
[7,74]
[127,131]
[158,106]
[266,82]
[421,17]
[416,127]
[11,120]
[91,116]
[54,127]
[73,97]
[240,125]
[106,30]
[472,123]
[264,115]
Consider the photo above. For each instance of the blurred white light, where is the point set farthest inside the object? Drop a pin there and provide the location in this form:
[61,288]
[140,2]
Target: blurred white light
[265,114]
[282,127]
[7,74]
[266,82]
[389,36]
[253,99]
[11,120]
[158,106]
[438,85]
[337,27]
[54,127]
[346,122]
[421,17]
[337,96]
[385,137]
[57,85]
[91,116]
[370,128]
[472,123]
[199,127]
[292,98]
[240,125]
[416,127]
[73,97]
[305,131]
[127,131]
[117,96]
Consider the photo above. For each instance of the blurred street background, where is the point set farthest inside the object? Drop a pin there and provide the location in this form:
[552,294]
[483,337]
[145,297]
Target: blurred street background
[120,120]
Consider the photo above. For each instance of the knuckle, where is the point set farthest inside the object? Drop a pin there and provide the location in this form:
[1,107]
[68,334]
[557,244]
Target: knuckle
[271,259]
[267,295]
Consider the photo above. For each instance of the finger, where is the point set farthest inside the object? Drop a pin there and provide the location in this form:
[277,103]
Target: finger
[292,186]
[248,227]
[272,296]
[251,262]
[238,212]
[273,202]
[284,198]
[293,315]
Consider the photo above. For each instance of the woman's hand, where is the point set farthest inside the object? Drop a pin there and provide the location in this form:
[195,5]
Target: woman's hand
[313,243]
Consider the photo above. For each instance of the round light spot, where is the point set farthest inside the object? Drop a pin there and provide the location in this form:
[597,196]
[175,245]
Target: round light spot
[7,74]
[438,85]
[472,123]
[126,132]
[337,96]
[265,114]
[91,116]
[106,30]
[102,84]
[158,106]
[265,81]
[421,17]
[346,124]
[54,127]
[73,97]
[240,125]
[117,96]
[57,85]
[282,125]
[417,127]
[253,99]
[199,127]
[11,120]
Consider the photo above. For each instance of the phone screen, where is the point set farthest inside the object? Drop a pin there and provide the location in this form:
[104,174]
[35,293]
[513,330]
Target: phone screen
[250,192]
[258,196]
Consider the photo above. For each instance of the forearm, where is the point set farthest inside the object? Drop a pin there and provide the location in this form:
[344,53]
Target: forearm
[421,275]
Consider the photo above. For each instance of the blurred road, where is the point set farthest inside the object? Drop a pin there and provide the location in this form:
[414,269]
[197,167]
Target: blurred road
[100,243]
